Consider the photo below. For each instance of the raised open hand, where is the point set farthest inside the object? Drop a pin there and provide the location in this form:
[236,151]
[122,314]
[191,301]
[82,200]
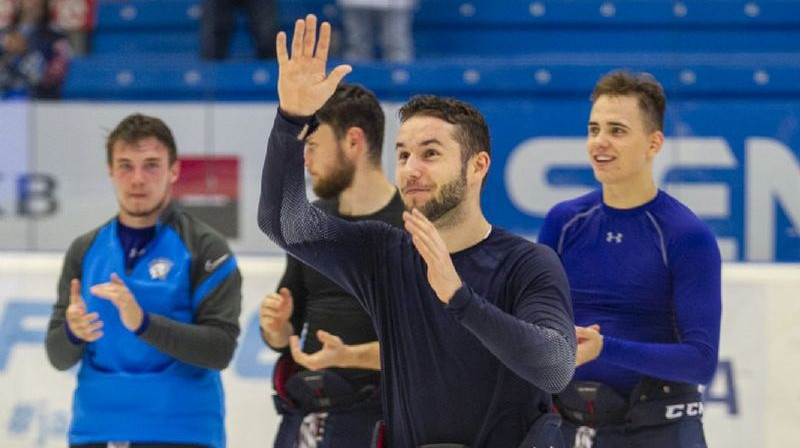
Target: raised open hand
[303,85]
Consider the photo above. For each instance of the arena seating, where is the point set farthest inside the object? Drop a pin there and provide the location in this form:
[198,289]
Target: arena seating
[147,49]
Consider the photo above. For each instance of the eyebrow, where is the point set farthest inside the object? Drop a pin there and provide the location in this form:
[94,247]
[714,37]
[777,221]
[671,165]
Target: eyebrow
[429,141]
[610,123]
[127,159]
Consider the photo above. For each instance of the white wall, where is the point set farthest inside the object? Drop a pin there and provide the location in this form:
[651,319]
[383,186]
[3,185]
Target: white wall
[758,354]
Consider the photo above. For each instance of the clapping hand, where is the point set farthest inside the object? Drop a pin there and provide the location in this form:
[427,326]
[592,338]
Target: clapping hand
[115,291]
[85,326]
[590,344]
[442,275]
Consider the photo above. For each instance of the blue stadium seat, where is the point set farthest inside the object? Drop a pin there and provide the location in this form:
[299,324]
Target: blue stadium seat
[544,75]
[147,49]
[171,26]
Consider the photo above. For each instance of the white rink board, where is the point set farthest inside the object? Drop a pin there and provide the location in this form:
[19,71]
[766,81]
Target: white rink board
[752,401]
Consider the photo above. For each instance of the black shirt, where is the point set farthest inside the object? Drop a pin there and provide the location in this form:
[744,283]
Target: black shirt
[323,305]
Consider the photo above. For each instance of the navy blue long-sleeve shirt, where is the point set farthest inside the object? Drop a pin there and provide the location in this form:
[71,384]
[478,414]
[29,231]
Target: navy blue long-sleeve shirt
[476,371]
[650,277]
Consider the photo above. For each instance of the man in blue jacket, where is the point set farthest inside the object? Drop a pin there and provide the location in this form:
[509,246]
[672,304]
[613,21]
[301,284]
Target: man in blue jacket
[149,304]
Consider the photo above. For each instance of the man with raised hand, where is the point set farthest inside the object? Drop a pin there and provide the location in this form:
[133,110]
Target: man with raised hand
[474,323]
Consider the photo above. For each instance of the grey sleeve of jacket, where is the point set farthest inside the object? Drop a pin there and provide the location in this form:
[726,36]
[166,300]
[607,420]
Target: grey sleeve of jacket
[62,352]
[209,341]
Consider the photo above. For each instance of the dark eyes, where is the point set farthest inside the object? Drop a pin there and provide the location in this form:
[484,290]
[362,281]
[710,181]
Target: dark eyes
[612,131]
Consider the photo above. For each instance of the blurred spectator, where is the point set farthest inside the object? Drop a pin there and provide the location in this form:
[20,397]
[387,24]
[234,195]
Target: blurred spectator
[362,20]
[218,25]
[33,56]
[76,19]
[6,13]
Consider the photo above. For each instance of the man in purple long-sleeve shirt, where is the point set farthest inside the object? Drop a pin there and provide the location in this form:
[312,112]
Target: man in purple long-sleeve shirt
[474,323]
[645,279]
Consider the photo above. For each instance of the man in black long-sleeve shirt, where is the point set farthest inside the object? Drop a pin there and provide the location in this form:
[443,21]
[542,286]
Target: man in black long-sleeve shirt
[343,158]
[475,324]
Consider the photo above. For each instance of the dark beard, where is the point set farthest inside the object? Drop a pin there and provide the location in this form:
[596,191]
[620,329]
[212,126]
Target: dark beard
[452,196]
[330,186]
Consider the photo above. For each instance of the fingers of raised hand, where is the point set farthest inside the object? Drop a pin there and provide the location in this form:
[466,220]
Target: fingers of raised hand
[297,39]
[310,39]
[324,43]
[280,48]
[337,74]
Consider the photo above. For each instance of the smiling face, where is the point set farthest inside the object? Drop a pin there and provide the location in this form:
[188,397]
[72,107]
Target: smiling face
[142,176]
[430,171]
[330,170]
[620,145]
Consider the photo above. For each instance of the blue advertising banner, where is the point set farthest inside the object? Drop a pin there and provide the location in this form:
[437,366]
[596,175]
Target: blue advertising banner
[734,160]
[736,163]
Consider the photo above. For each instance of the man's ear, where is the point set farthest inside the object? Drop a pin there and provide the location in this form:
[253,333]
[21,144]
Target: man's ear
[174,171]
[479,165]
[656,142]
[355,142]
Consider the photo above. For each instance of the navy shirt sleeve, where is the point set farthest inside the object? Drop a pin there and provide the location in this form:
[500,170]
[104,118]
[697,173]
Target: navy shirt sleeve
[288,219]
[537,342]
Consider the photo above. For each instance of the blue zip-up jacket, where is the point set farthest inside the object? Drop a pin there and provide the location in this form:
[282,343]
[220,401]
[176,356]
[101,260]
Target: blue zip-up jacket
[162,385]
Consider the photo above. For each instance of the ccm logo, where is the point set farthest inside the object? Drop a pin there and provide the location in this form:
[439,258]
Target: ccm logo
[688,409]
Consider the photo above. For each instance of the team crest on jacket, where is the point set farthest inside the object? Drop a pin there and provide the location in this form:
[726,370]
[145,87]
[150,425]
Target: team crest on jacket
[159,268]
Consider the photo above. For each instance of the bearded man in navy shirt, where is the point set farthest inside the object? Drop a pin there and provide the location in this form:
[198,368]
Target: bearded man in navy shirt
[474,323]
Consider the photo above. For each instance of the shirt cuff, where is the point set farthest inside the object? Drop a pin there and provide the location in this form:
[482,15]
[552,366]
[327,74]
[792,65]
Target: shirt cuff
[613,350]
[71,336]
[460,301]
[304,125]
[143,326]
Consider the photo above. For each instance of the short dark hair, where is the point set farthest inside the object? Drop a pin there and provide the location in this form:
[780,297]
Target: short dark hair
[354,106]
[136,127]
[644,86]
[472,132]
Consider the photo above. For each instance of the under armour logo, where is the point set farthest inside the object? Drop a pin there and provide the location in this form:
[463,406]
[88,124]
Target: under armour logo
[616,237]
